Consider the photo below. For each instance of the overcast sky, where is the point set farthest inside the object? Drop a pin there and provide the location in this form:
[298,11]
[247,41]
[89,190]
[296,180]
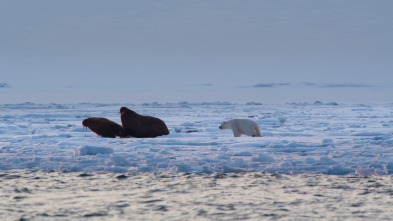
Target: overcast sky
[172,50]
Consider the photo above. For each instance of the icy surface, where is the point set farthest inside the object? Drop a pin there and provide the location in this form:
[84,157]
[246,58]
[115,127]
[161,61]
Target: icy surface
[298,138]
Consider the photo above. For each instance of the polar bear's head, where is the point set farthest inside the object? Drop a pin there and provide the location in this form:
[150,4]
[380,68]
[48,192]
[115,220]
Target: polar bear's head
[225,125]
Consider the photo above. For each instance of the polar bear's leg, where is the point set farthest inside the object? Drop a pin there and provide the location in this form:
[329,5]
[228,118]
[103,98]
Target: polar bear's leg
[257,131]
[236,132]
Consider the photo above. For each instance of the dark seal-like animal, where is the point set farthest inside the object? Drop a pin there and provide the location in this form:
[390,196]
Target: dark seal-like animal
[104,127]
[140,126]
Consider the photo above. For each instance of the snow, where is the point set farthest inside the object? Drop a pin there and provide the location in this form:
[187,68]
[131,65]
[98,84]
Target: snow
[90,150]
[298,138]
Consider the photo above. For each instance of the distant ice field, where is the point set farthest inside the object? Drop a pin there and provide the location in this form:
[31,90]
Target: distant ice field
[298,138]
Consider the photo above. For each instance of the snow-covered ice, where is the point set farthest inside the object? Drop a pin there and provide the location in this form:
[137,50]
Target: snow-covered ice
[298,138]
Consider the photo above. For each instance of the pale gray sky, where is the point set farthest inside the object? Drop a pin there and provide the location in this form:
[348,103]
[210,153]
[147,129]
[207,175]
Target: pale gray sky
[320,49]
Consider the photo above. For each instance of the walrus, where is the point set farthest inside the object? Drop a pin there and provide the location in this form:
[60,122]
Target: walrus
[104,127]
[140,126]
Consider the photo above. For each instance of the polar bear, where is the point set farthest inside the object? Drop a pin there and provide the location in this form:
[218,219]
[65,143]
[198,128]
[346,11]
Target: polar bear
[242,126]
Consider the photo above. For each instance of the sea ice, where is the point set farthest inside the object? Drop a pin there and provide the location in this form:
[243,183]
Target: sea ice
[298,138]
[91,150]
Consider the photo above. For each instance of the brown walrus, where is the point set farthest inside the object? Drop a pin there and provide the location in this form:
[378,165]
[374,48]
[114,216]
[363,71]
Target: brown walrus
[104,127]
[140,126]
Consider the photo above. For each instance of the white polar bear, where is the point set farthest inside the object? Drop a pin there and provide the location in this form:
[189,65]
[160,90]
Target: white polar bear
[242,126]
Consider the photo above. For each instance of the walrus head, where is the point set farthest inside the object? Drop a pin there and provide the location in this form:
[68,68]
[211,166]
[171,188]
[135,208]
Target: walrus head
[124,110]
[85,123]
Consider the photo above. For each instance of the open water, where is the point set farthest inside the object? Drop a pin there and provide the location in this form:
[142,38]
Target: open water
[192,196]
